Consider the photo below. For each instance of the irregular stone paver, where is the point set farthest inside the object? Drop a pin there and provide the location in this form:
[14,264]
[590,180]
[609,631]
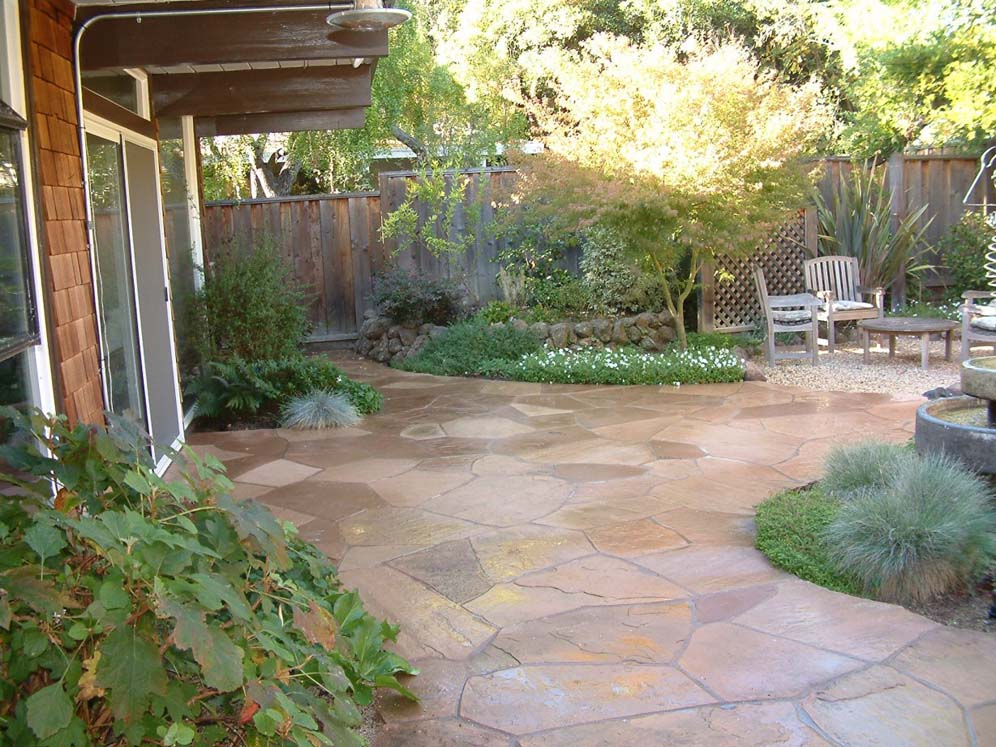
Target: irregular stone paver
[741,664]
[859,627]
[528,699]
[641,634]
[592,492]
[881,706]
[277,473]
[506,554]
[746,725]
[633,538]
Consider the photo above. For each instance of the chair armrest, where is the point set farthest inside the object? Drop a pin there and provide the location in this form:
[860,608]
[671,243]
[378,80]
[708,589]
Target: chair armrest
[878,292]
[974,295]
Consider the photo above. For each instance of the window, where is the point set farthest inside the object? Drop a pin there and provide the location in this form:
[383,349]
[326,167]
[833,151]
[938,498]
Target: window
[18,319]
[125,88]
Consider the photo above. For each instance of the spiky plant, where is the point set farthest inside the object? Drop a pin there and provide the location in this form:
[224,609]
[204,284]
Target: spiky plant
[318,410]
[864,466]
[929,532]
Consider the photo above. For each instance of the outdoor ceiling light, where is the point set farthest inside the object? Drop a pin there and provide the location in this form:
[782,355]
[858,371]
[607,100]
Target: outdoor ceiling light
[368,15]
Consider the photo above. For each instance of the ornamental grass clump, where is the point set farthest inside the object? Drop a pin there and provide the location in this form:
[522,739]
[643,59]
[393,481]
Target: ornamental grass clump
[136,610]
[929,530]
[318,410]
[868,466]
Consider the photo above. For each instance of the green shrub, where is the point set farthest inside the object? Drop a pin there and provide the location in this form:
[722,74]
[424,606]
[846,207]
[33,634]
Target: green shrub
[723,341]
[136,610]
[408,297]
[608,273]
[496,312]
[561,294]
[250,307]
[620,366]
[868,466]
[927,310]
[318,410]
[240,388]
[963,249]
[790,529]
[930,531]
[464,348]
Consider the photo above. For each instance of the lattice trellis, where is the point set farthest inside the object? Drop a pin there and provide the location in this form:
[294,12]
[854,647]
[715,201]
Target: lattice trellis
[734,297]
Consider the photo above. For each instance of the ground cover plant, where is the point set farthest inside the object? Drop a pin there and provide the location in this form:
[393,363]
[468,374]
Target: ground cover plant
[628,365]
[464,349]
[885,522]
[136,610]
[257,390]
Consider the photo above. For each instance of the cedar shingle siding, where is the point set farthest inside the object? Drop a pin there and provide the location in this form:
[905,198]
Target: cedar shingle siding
[60,183]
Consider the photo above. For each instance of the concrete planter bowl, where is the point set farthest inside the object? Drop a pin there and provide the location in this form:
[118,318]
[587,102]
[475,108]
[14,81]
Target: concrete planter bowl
[963,426]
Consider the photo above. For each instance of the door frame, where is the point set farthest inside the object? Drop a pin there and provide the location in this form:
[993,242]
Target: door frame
[93,124]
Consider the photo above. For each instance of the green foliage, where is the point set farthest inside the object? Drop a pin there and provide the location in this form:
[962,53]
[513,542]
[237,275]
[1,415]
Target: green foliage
[870,465]
[495,312]
[559,294]
[318,410]
[790,532]
[857,222]
[963,250]
[930,530]
[723,341]
[250,307]
[239,388]
[137,610]
[609,273]
[410,297]
[620,366]
[926,310]
[464,349]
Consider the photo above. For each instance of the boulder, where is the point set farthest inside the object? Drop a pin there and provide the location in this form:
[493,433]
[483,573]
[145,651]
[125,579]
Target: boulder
[619,335]
[435,330]
[374,328]
[408,336]
[363,345]
[647,320]
[562,334]
[634,334]
[602,329]
[394,345]
[583,329]
[540,329]
[394,332]
[379,352]
[417,345]
[650,345]
[753,372]
[425,329]
[518,324]
[665,333]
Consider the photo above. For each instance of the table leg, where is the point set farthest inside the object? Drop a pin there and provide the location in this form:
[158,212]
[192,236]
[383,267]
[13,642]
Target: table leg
[924,350]
[892,346]
[866,339]
[947,345]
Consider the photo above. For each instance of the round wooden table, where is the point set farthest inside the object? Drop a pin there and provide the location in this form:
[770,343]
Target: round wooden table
[894,326]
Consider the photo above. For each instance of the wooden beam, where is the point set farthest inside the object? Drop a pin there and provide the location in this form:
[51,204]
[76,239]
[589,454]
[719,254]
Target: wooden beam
[252,124]
[94,103]
[222,39]
[260,91]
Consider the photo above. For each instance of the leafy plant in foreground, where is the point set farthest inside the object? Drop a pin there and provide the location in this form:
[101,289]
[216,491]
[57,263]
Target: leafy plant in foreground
[136,610]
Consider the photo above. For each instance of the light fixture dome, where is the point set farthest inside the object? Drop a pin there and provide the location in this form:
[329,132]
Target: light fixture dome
[368,15]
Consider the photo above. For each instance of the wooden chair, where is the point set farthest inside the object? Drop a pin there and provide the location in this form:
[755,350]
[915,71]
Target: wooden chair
[795,313]
[834,280]
[978,321]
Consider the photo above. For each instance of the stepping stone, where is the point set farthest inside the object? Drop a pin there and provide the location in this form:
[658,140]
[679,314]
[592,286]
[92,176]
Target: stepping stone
[961,662]
[450,568]
[278,473]
[633,538]
[509,553]
[504,501]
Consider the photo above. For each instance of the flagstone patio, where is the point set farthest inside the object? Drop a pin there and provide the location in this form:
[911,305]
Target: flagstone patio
[573,566]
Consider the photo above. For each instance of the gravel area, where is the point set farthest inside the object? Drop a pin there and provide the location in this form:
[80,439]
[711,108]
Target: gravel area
[844,371]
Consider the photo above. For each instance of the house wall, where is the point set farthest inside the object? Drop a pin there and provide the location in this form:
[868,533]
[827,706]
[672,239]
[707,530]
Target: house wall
[59,185]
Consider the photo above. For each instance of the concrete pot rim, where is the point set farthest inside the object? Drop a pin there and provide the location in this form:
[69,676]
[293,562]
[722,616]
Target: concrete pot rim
[954,403]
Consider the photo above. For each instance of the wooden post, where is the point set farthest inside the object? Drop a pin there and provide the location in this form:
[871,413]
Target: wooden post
[898,192]
[812,232]
[707,297]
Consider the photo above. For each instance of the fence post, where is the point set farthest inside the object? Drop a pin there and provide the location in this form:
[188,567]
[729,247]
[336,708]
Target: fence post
[707,297]
[898,211]
[812,232]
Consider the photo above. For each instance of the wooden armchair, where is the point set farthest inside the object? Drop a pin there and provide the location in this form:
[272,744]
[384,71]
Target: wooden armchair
[978,321]
[834,280]
[795,313]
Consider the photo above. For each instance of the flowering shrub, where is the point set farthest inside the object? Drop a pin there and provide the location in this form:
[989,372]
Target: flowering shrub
[621,366]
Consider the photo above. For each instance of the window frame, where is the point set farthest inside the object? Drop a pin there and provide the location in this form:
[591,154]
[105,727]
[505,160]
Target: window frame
[12,124]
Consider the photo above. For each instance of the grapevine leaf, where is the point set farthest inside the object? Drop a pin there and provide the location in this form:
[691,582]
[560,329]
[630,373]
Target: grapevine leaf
[257,527]
[131,669]
[24,585]
[317,625]
[45,540]
[49,711]
[219,657]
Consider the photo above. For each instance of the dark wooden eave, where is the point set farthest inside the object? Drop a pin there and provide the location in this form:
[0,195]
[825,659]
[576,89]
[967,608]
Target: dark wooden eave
[171,41]
[261,91]
[252,124]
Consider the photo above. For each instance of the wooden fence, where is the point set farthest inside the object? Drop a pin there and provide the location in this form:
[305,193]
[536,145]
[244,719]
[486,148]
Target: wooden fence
[335,246]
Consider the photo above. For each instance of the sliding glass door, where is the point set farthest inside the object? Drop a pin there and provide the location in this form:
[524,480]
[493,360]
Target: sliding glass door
[115,278]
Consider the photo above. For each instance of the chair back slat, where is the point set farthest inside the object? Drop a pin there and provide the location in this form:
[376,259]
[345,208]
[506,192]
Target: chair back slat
[837,274]
[762,287]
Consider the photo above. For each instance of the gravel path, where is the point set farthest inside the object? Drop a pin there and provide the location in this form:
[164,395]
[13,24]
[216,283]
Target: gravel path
[844,371]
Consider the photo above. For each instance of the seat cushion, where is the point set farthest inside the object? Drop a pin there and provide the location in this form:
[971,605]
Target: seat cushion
[848,306]
[985,323]
[988,309]
[792,316]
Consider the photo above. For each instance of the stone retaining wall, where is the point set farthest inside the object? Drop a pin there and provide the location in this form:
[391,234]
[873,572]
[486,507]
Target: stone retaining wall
[384,341]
